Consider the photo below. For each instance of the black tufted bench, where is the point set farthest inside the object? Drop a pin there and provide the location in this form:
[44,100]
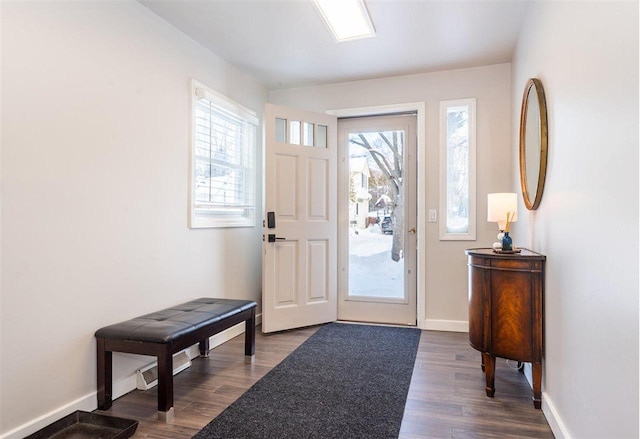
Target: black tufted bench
[163,333]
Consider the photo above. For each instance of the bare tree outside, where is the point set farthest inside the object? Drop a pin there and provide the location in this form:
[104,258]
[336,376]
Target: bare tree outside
[386,150]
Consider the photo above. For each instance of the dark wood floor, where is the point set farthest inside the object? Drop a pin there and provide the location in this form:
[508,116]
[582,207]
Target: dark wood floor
[446,398]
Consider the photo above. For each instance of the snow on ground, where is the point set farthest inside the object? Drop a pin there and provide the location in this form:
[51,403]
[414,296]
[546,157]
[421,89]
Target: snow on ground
[372,272]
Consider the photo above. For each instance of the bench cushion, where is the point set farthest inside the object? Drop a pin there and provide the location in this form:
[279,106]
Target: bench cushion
[169,324]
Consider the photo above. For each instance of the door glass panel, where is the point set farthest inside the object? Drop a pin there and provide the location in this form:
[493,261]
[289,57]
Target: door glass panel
[281,130]
[307,134]
[321,136]
[376,214]
[294,132]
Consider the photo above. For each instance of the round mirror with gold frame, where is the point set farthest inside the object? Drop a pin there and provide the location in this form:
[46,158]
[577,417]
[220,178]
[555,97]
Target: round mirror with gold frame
[533,143]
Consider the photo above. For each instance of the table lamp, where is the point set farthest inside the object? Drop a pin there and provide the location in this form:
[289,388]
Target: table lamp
[503,209]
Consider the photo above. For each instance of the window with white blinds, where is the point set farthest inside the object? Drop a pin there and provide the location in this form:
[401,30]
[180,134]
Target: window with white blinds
[223,180]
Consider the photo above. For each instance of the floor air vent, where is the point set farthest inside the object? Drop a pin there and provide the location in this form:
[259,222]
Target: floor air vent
[147,377]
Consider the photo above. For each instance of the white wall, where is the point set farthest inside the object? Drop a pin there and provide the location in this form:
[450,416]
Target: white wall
[586,55]
[95,141]
[446,270]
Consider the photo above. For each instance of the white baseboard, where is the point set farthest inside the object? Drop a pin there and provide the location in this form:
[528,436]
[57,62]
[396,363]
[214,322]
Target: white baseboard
[553,418]
[122,387]
[89,402]
[445,325]
[548,409]
[528,374]
[86,403]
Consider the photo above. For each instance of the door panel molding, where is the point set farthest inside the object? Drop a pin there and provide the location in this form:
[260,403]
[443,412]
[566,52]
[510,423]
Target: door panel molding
[318,261]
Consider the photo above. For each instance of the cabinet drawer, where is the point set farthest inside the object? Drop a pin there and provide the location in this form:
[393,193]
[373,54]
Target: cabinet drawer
[476,261]
[511,264]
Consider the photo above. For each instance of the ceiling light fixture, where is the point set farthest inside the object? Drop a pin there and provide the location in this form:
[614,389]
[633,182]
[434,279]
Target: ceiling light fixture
[347,19]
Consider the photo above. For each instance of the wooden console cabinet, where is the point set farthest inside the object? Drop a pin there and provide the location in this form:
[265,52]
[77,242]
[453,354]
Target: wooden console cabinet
[506,310]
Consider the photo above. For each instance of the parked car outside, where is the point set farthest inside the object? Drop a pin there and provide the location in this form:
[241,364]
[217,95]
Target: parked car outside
[386,225]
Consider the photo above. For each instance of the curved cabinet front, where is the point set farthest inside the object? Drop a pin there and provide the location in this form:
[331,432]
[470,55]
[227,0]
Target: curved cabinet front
[505,310]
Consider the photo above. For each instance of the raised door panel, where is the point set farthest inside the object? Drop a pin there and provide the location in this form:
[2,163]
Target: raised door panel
[318,271]
[286,283]
[285,186]
[318,185]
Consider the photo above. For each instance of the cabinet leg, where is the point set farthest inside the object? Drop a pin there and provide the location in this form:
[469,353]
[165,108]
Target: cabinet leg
[482,360]
[490,372]
[537,384]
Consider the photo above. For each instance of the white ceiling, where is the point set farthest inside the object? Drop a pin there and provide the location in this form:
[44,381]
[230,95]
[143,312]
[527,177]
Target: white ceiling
[285,44]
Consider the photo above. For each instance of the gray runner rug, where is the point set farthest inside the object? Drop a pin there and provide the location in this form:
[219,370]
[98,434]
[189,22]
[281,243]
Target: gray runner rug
[345,381]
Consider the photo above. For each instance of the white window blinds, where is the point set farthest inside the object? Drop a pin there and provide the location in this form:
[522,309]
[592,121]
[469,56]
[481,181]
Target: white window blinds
[223,181]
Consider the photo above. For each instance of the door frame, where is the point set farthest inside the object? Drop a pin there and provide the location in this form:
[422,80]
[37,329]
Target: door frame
[421,195]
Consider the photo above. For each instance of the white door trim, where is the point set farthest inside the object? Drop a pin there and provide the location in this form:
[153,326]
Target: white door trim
[421,194]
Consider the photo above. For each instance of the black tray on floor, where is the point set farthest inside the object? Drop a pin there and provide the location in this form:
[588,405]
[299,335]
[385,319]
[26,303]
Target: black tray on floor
[85,425]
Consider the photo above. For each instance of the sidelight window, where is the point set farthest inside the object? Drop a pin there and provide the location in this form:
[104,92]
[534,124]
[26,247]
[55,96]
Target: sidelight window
[458,170]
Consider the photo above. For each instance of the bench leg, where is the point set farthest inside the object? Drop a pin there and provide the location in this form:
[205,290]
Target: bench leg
[165,386]
[250,338]
[204,347]
[105,376]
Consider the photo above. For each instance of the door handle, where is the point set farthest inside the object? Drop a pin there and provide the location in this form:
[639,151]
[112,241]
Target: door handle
[273,238]
[412,230]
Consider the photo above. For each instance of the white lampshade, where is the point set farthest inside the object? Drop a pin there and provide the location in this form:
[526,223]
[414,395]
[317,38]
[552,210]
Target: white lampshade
[501,204]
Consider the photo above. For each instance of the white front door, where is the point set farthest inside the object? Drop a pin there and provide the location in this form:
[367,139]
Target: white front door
[299,284]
